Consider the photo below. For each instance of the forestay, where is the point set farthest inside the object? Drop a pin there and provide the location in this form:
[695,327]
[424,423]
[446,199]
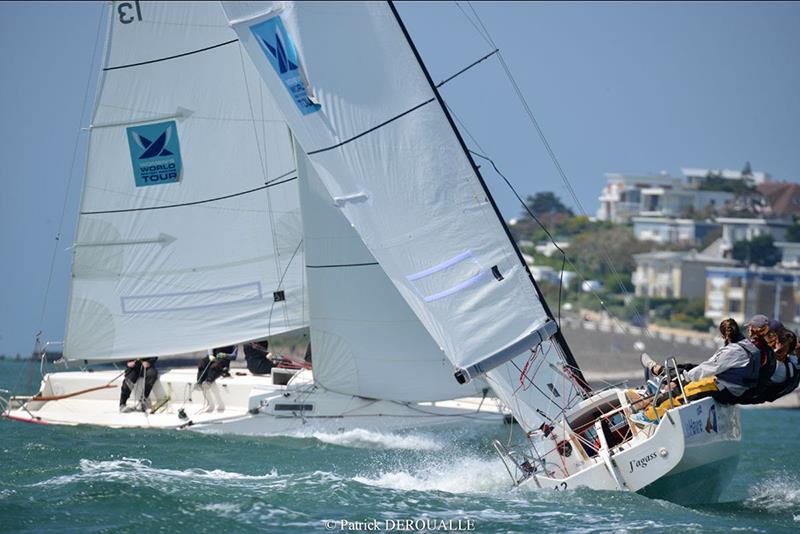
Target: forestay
[363,109]
[181,245]
[366,339]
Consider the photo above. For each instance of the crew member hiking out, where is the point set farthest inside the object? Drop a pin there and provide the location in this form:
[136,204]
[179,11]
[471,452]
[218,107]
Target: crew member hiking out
[727,376]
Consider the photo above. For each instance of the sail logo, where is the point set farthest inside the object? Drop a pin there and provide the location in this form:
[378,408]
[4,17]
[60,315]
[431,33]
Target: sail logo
[279,54]
[278,47]
[155,153]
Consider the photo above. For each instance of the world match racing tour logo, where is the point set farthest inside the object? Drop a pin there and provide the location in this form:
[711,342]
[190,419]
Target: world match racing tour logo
[281,53]
[155,153]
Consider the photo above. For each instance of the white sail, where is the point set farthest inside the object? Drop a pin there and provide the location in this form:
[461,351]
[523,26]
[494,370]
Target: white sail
[365,112]
[181,244]
[366,339]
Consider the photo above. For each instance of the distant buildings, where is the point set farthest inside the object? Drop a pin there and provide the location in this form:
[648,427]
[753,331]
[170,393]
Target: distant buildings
[745,229]
[742,292]
[697,177]
[668,230]
[782,198]
[674,274]
[635,195]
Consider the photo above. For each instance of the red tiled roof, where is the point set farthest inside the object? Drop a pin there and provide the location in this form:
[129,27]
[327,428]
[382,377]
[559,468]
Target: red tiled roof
[783,197]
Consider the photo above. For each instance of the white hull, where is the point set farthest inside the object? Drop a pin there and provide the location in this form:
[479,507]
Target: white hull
[710,455]
[689,457]
[241,404]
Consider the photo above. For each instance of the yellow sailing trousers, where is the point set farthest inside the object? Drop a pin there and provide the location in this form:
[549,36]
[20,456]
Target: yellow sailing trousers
[704,385]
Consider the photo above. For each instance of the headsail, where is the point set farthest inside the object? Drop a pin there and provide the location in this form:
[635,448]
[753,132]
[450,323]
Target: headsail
[366,339]
[189,235]
[364,110]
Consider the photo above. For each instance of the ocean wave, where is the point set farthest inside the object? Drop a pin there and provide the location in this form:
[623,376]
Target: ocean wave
[366,439]
[780,494]
[462,475]
[138,469]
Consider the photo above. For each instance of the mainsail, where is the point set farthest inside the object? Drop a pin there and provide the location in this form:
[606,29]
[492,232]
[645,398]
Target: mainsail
[374,128]
[189,234]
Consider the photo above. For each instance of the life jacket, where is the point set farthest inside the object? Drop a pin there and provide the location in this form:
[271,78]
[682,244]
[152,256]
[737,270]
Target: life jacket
[767,362]
[776,391]
[748,376]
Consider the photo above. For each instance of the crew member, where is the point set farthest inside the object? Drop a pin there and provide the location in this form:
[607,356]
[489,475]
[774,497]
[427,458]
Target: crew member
[726,376]
[215,364]
[136,369]
[257,357]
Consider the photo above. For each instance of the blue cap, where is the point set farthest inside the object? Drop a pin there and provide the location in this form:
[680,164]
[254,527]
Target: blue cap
[775,325]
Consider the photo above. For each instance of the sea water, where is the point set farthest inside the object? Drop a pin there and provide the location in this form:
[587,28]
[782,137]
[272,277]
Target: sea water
[86,479]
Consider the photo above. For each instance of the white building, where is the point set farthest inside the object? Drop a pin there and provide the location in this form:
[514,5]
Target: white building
[674,274]
[697,176]
[548,248]
[790,254]
[622,197]
[743,229]
[668,230]
[740,293]
[630,195]
[546,274]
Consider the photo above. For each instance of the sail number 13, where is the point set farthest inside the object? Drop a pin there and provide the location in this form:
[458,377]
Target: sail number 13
[129,12]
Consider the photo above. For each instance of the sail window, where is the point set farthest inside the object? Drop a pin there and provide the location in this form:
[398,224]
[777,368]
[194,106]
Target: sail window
[449,277]
[279,296]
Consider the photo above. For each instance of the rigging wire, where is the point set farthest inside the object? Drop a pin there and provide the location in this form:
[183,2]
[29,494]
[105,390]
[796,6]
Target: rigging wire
[480,27]
[263,158]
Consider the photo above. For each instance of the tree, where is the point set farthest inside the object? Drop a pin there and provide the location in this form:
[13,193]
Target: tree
[793,233]
[760,250]
[592,251]
[546,203]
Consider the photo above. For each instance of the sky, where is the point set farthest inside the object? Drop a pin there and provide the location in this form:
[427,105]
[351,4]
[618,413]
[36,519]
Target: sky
[615,87]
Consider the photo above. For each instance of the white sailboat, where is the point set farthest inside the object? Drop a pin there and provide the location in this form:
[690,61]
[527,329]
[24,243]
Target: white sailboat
[375,130]
[191,236]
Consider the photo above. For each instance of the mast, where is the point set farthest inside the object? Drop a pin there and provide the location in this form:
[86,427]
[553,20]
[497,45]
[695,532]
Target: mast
[558,336]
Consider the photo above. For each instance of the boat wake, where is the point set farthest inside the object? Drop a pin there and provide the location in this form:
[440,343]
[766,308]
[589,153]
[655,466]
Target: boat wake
[462,475]
[366,439]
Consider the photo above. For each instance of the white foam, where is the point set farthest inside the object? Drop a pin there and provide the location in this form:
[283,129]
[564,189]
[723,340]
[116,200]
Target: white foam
[366,439]
[775,495]
[224,509]
[133,469]
[464,475]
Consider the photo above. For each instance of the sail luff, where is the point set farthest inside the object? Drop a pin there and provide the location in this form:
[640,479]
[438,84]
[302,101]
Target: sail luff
[570,358]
